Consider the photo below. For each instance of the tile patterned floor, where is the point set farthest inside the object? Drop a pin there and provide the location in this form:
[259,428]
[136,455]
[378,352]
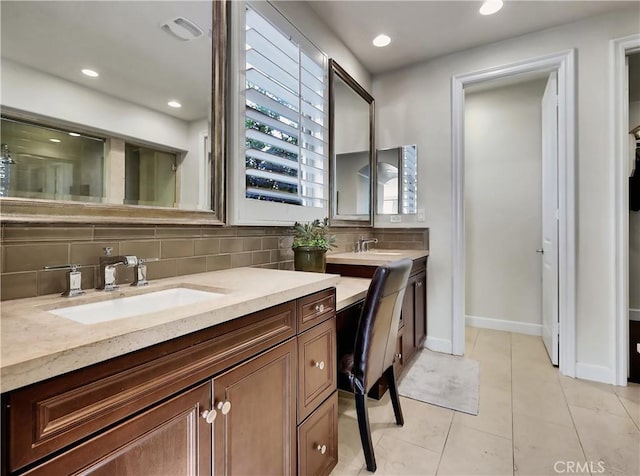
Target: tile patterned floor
[531,419]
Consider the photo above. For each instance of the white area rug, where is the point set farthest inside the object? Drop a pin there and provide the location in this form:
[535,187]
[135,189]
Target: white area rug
[445,380]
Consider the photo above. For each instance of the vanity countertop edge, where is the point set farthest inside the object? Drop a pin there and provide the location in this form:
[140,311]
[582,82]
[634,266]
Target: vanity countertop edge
[37,345]
[376,257]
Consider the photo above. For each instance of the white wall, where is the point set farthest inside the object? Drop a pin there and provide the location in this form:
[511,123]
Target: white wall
[634,226]
[413,105]
[503,221]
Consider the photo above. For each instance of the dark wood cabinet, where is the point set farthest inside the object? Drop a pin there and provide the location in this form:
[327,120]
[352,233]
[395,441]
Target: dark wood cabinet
[169,438]
[412,330]
[256,433]
[230,399]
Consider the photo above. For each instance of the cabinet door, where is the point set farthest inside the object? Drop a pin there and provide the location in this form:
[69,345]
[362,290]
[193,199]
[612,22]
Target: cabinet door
[408,317]
[255,430]
[420,309]
[170,438]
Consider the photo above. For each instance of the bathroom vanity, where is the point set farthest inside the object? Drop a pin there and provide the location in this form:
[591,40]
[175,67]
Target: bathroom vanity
[412,330]
[241,384]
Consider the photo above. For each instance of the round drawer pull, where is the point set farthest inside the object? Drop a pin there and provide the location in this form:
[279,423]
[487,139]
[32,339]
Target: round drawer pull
[209,415]
[319,365]
[322,449]
[224,407]
[319,308]
[399,356]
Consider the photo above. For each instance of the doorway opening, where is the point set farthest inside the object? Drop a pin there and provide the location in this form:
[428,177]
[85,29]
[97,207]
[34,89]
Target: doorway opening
[563,65]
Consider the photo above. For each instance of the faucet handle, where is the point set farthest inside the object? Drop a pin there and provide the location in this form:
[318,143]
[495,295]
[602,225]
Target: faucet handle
[108,250]
[74,279]
[140,272]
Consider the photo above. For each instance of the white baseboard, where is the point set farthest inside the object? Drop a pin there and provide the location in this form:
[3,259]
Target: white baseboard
[504,325]
[597,373]
[438,345]
[634,314]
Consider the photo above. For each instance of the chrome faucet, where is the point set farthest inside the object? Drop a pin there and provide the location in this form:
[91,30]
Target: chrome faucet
[108,263]
[362,245]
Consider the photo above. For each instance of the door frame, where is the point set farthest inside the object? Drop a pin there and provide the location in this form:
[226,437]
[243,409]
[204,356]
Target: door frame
[619,48]
[565,65]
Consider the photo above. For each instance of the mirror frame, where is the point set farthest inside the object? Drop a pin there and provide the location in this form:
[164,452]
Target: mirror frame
[50,211]
[336,70]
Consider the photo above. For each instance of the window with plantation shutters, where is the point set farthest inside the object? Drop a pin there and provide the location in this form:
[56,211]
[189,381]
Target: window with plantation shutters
[285,94]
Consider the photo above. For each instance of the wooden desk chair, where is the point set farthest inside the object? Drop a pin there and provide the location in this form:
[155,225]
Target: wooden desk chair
[374,348]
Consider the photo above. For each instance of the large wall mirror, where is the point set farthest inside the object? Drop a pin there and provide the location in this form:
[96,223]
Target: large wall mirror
[351,122]
[113,110]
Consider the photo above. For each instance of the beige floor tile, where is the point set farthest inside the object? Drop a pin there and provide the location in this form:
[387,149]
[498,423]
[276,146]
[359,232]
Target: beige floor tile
[541,399]
[496,342]
[540,445]
[342,469]
[397,457]
[472,452]
[424,425]
[612,439]
[630,398]
[495,413]
[593,395]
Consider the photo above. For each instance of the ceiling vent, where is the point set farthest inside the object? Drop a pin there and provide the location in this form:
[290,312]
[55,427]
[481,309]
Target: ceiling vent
[182,28]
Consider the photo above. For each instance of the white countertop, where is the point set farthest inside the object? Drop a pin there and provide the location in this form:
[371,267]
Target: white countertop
[376,257]
[37,344]
[350,290]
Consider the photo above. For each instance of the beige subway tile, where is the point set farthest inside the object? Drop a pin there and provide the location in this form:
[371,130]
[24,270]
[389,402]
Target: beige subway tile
[270,243]
[275,256]
[191,265]
[219,231]
[176,248]
[124,233]
[141,249]
[260,257]
[270,266]
[251,231]
[178,232]
[206,246]
[285,254]
[285,242]
[165,268]
[90,253]
[286,265]
[50,282]
[240,259]
[217,262]
[251,244]
[18,285]
[230,245]
[47,233]
[124,276]
[34,257]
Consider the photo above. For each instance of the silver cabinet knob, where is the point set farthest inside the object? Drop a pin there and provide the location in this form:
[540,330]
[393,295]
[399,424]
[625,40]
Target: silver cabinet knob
[319,308]
[209,415]
[540,250]
[399,356]
[319,365]
[322,449]
[224,407]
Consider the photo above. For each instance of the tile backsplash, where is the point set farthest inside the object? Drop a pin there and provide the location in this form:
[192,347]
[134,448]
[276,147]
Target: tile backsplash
[26,249]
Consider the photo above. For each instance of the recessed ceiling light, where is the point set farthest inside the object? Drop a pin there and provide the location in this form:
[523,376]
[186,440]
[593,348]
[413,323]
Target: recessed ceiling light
[381,40]
[489,7]
[91,73]
[175,104]
[55,140]
[74,134]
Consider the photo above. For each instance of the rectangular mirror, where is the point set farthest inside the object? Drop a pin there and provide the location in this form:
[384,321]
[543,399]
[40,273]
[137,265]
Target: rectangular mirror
[108,110]
[396,180]
[351,141]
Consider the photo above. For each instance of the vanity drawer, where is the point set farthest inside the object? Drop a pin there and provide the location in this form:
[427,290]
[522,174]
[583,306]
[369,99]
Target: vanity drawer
[316,308]
[318,440]
[48,416]
[317,377]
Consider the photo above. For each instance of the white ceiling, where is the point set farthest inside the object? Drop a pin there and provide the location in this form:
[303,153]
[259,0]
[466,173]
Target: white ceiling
[122,40]
[421,30]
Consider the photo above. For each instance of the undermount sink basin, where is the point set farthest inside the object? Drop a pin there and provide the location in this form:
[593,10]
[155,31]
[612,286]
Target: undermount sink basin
[119,308]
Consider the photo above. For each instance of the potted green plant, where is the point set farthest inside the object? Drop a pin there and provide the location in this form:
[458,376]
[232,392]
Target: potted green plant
[311,241]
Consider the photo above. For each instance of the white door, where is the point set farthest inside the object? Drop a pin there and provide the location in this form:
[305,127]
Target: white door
[549,250]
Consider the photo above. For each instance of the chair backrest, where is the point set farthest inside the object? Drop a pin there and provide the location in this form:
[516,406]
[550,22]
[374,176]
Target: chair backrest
[378,327]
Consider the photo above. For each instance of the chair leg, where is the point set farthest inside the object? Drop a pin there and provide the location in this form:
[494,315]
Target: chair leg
[393,392]
[365,432]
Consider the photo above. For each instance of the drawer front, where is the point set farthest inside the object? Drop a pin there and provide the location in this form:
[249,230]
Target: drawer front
[317,375]
[47,416]
[316,308]
[318,440]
